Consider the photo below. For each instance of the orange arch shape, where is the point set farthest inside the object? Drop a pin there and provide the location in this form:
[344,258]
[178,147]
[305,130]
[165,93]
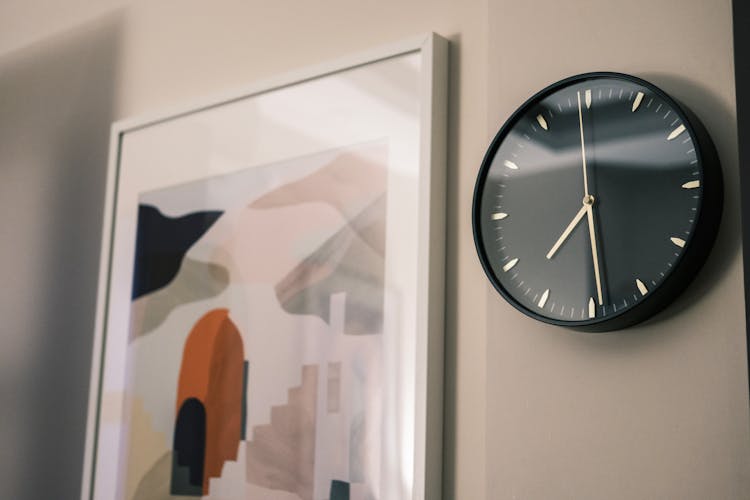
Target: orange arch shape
[212,371]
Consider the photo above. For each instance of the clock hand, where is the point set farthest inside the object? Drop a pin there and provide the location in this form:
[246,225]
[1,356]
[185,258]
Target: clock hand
[594,253]
[583,147]
[588,206]
[567,231]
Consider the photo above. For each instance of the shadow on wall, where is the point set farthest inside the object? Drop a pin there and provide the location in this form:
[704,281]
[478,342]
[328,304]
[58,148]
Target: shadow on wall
[56,106]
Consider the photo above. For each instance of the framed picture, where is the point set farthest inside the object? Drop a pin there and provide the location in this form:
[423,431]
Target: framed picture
[270,315]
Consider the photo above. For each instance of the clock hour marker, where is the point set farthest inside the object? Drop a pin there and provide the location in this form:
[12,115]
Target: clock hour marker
[641,287]
[507,267]
[637,102]
[499,216]
[588,98]
[542,122]
[678,241]
[676,132]
[544,298]
[592,308]
[510,165]
[691,185]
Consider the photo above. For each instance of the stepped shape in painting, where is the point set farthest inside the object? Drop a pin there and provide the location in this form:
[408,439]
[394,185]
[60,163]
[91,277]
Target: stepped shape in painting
[281,454]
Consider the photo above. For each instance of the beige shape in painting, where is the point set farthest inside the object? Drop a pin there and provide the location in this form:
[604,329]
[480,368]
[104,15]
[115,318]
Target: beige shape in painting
[261,246]
[350,182]
[156,482]
[262,242]
[110,408]
[145,447]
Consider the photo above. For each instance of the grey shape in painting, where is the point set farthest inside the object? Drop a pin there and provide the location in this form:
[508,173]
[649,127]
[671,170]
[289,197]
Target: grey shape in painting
[195,281]
[347,262]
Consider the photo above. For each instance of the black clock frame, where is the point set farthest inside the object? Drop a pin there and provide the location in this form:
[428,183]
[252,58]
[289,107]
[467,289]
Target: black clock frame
[697,246]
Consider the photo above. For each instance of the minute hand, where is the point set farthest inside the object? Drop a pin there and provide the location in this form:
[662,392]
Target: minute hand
[588,202]
[583,148]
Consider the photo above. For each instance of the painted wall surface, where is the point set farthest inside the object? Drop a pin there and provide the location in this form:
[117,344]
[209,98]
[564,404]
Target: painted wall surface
[531,412]
[660,410]
[164,54]
[56,103]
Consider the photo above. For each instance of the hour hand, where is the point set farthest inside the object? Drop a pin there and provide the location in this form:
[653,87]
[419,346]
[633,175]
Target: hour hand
[567,231]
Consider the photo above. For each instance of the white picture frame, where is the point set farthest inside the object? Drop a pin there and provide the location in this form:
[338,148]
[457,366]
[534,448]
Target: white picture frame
[394,95]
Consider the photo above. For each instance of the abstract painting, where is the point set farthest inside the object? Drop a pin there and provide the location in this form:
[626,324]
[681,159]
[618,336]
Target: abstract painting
[258,300]
[269,322]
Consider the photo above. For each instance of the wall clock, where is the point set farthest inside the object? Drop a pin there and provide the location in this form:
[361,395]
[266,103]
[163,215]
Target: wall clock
[597,202]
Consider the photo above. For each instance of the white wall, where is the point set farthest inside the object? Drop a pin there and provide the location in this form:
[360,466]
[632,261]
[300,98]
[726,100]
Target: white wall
[659,412]
[166,53]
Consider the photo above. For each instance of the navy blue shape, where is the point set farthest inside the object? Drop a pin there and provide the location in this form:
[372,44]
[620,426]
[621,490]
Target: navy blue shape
[339,490]
[161,244]
[189,449]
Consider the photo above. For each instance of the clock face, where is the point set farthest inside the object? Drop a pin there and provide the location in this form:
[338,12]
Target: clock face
[597,202]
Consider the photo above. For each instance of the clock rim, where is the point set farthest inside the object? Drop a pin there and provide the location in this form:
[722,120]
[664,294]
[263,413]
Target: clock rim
[697,246]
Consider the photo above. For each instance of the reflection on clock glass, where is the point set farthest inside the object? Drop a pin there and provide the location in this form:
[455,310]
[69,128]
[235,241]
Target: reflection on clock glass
[589,199]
